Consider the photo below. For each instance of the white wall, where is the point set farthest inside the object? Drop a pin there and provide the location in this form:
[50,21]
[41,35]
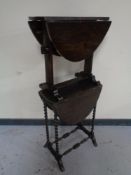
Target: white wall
[22,65]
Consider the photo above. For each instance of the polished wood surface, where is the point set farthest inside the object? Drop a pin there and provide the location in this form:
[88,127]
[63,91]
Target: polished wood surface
[79,96]
[75,39]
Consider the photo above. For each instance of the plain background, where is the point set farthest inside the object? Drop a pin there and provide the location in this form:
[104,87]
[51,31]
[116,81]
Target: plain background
[22,65]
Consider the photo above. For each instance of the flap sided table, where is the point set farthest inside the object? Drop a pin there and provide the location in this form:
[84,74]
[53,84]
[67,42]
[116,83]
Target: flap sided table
[75,39]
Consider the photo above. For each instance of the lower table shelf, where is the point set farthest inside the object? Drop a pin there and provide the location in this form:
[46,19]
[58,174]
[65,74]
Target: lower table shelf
[72,100]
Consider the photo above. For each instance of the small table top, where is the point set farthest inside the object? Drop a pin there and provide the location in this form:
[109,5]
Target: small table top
[74,38]
[59,19]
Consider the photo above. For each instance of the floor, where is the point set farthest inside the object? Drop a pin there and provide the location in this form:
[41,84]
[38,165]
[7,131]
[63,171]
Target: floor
[22,152]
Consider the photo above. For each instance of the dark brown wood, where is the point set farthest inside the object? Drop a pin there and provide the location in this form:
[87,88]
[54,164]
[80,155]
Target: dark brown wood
[88,64]
[65,18]
[78,106]
[49,70]
[39,30]
[76,39]
[48,57]
[79,97]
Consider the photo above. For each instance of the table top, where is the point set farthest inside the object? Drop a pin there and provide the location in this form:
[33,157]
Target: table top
[64,18]
[74,38]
